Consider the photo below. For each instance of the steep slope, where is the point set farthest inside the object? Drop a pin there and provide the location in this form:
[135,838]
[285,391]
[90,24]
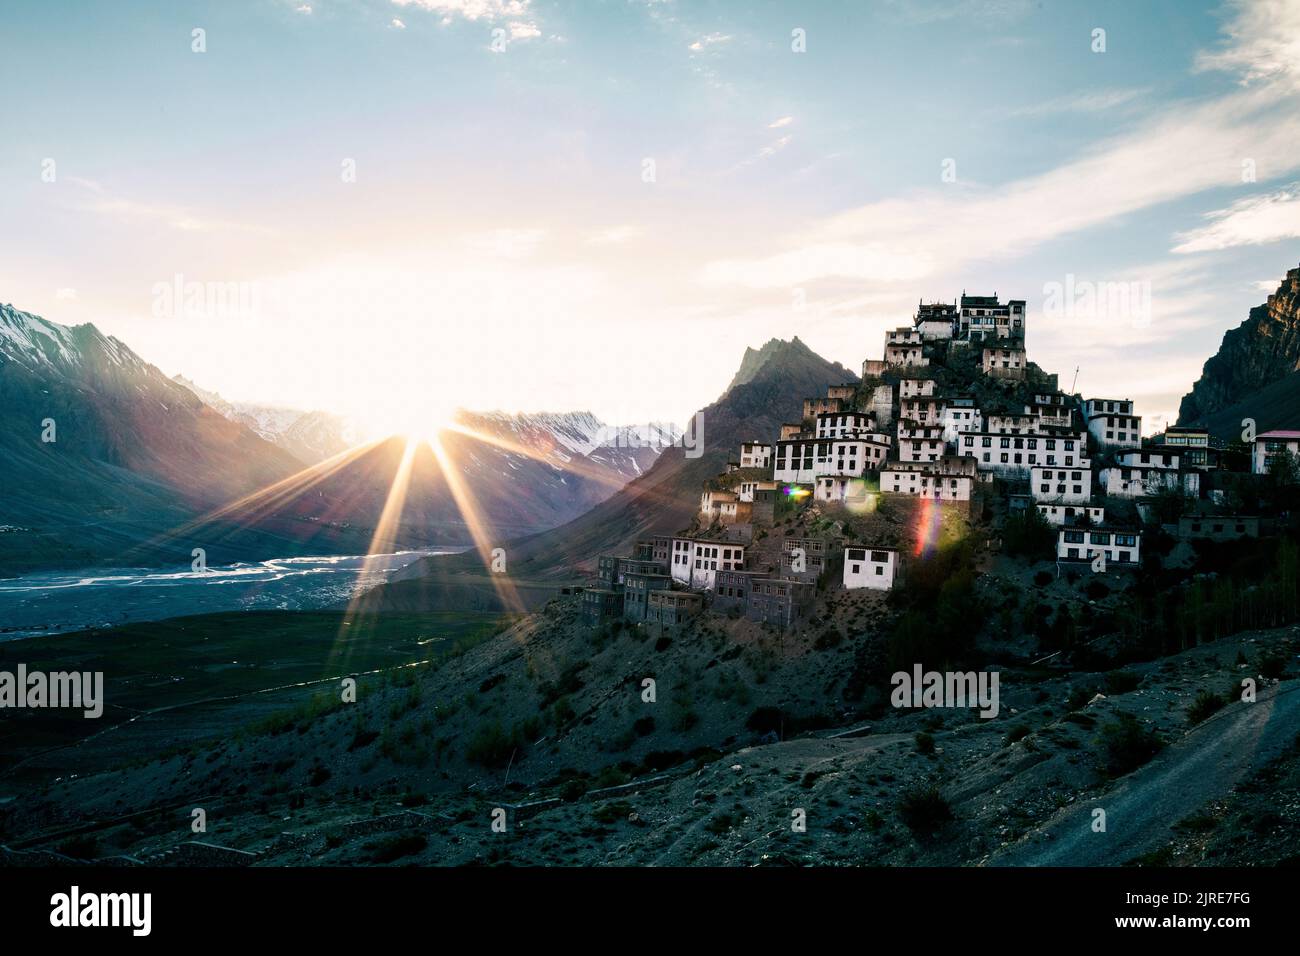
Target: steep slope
[143,468]
[1256,356]
[132,452]
[660,502]
[311,437]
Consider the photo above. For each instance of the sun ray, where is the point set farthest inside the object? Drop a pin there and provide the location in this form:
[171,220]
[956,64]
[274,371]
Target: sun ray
[255,505]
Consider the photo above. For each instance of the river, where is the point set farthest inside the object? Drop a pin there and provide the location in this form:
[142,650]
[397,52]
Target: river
[54,602]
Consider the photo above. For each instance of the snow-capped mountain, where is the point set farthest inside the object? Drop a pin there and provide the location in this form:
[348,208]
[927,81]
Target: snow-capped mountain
[621,452]
[139,468]
[311,437]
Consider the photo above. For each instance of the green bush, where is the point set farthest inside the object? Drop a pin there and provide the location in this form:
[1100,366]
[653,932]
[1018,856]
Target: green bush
[1127,745]
[924,810]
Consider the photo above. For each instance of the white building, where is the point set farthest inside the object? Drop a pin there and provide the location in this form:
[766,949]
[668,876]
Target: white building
[924,411]
[1141,481]
[851,456]
[919,443]
[1269,446]
[841,489]
[695,563]
[747,489]
[915,387]
[841,424]
[920,482]
[1014,455]
[935,320]
[1120,547]
[755,454]
[960,415]
[1014,424]
[1004,362]
[812,407]
[1112,424]
[793,461]
[1060,515]
[710,501]
[905,355]
[903,336]
[879,402]
[984,318]
[1067,486]
[874,568]
[1051,414]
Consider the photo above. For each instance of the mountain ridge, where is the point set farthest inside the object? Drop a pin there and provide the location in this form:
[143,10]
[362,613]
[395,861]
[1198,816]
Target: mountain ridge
[1256,371]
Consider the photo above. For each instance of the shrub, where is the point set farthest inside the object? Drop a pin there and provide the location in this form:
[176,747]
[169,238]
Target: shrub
[490,746]
[1206,704]
[1096,590]
[644,726]
[828,639]
[1272,664]
[924,810]
[924,743]
[765,720]
[1127,745]
[1043,578]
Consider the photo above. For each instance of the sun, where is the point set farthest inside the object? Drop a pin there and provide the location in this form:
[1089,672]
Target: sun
[418,418]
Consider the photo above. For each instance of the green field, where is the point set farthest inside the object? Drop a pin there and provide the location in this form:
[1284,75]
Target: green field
[191,677]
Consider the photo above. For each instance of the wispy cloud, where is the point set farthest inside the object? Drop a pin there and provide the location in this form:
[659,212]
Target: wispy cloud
[710,40]
[517,14]
[779,123]
[1099,101]
[1252,221]
[1185,150]
[175,216]
[507,243]
[1262,43]
[615,235]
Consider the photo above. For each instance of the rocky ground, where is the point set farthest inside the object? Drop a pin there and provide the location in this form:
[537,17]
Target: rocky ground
[546,728]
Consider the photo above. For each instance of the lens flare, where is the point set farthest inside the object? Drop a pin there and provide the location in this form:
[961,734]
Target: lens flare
[928,520]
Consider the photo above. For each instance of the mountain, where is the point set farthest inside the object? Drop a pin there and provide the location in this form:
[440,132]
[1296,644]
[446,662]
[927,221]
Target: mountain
[143,468]
[99,450]
[1256,372]
[771,383]
[311,437]
[620,453]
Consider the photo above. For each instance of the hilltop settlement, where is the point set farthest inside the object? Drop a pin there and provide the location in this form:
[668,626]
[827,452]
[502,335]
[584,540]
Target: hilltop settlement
[954,422]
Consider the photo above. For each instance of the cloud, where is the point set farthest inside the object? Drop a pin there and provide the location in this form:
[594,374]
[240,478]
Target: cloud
[397,24]
[174,216]
[516,13]
[615,235]
[708,40]
[1252,221]
[1263,43]
[507,243]
[1098,102]
[778,123]
[1191,148]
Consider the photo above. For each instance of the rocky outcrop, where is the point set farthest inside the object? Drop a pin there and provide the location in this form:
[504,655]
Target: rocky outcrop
[1263,350]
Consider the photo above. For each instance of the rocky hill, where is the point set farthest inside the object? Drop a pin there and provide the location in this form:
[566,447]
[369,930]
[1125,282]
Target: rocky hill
[769,387]
[1256,372]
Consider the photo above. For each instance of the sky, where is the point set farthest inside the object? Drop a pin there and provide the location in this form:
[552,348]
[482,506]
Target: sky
[387,208]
